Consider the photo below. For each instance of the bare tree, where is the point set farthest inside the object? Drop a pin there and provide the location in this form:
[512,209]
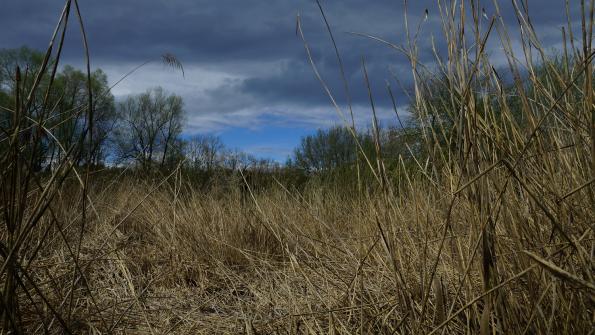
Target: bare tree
[205,151]
[149,129]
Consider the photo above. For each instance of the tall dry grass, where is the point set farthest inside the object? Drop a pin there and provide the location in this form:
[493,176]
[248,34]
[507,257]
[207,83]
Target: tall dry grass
[492,234]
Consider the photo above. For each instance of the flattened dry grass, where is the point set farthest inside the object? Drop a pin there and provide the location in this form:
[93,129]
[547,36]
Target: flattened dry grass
[188,263]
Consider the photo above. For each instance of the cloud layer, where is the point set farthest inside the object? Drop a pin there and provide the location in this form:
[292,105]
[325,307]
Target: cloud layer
[244,65]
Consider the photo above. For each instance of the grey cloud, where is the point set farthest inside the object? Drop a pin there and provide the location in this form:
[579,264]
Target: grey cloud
[253,44]
[225,30]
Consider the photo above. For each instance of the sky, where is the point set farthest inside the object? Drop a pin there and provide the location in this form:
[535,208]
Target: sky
[247,77]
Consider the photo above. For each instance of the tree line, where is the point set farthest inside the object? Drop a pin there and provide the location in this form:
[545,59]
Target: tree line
[145,131]
[142,130]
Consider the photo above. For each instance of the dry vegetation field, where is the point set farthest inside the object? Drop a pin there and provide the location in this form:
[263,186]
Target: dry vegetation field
[491,233]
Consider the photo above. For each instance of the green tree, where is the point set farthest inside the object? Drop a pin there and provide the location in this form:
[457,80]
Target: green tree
[69,121]
[28,60]
[64,115]
[327,149]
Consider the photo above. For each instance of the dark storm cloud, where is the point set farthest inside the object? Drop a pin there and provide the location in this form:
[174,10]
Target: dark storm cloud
[254,42]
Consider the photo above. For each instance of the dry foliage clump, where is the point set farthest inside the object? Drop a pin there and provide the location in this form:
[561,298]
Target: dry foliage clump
[491,233]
